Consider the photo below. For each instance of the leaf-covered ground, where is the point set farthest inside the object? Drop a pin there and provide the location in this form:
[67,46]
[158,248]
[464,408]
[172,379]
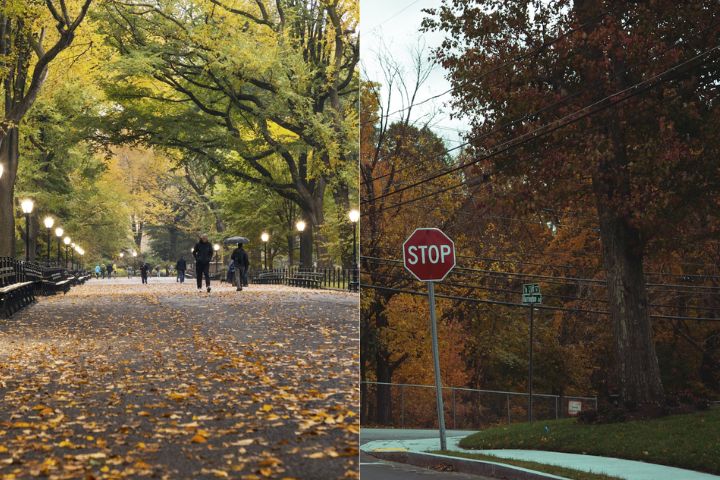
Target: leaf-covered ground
[123,380]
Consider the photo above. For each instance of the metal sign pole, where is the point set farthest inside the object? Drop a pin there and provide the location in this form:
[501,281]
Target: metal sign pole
[530,382]
[436,361]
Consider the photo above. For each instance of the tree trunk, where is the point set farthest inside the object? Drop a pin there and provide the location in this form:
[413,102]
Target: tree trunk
[313,216]
[137,228]
[636,363]
[364,355]
[383,393]
[173,235]
[291,249]
[306,247]
[341,194]
[9,159]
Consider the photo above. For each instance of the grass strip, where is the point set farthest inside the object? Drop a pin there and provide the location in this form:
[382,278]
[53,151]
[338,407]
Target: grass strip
[689,441]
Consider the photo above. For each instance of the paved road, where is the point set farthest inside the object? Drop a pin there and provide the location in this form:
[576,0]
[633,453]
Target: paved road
[123,380]
[372,468]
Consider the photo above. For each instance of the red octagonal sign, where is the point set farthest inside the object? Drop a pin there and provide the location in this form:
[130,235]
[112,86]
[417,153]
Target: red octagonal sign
[429,254]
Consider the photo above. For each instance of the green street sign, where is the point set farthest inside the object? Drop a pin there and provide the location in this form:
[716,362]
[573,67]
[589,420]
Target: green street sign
[531,294]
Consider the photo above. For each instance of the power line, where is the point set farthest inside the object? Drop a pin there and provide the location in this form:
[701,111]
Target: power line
[575,267]
[549,278]
[484,135]
[551,127]
[393,16]
[529,115]
[452,283]
[539,307]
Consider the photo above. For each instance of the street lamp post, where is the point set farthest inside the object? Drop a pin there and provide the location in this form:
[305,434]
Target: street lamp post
[66,241]
[73,247]
[354,218]
[300,225]
[216,248]
[27,208]
[49,222]
[265,237]
[59,233]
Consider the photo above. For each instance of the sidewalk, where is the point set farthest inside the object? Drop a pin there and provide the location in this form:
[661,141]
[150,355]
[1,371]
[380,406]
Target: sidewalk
[124,380]
[626,469]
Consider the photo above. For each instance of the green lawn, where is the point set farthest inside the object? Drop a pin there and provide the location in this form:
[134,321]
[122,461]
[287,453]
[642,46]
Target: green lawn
[687,441]
[539,467]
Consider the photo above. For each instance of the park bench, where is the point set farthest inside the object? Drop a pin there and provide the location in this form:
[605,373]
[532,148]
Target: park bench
[306,280]
[269,278]
[15,291]
[32,272]
[55,281]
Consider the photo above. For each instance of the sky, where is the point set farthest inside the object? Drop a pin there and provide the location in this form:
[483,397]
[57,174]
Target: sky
[393,26]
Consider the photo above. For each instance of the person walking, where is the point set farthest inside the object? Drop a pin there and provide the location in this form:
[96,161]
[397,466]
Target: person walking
[242,262]
[230,273]
[97,271]
[203,253]
[110,270]
[144,268]
[181,266]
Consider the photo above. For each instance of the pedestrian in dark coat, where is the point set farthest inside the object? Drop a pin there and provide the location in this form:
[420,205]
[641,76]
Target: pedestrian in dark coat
[203,253]
[242,262]
[181,266]
[144,269]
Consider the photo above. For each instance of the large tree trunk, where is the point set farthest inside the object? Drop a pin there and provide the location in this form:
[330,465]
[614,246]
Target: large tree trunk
[636,363]
[9,159]
[312,209]
[637,370]
[306,246]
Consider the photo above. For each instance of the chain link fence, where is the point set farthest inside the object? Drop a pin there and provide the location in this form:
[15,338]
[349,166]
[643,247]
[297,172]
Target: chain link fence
[413,406]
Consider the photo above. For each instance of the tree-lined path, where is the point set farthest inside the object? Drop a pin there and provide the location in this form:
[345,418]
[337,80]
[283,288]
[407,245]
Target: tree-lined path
[122,380]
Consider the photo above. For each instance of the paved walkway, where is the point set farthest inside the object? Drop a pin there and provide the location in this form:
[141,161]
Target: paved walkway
[626,469]
[122,380]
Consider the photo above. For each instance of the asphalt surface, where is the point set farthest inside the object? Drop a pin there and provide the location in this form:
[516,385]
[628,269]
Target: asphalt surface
[123,380]
[372,468]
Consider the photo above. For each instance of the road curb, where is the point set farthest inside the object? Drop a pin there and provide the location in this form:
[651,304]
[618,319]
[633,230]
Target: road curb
[477,467]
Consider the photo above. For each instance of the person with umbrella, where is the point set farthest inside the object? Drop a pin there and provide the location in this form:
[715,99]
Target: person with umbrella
[242,262]
[203,253]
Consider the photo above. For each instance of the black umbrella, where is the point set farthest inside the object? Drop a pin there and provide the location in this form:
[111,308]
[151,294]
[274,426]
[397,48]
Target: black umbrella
[235,240]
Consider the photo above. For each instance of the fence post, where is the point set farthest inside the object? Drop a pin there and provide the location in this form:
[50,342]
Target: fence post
[556,407]
[402,406]
[508,407]
[452,391]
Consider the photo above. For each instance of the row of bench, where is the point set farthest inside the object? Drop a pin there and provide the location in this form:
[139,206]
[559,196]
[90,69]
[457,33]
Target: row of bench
[21,281]
[298,279]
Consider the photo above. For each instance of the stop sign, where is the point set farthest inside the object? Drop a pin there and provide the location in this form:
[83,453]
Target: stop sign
[429,254]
